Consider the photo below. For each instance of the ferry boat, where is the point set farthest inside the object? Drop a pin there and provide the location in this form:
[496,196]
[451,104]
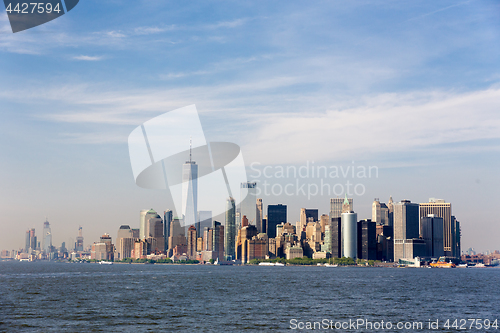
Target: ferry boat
[442,263]
[105,262]
[271,264]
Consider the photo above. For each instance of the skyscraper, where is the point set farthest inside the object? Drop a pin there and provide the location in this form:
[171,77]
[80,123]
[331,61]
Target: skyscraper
[248,206]
[124,232]
[406,231]
[440,208]
[142,223]
[79,240]
[191,242]
[336,206]
[204,220]
[190,191]
[431,230]
[218,240]
[260,208]
[167,220]
[349,234]
[46,237]
[367,240]
[230,229]
[276,214]
[380,212]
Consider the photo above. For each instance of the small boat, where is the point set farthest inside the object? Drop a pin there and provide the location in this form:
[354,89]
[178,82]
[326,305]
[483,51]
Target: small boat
[462,266]
[331,265]
[271,264]
[105,262]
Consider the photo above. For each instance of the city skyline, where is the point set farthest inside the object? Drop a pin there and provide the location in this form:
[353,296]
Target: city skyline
[412,89]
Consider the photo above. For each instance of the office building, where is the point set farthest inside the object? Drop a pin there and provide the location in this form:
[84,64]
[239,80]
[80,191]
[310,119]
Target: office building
[168,215]
[260,209]
[367,240]
[191,242]
[204,220]
[218,240]
[349,225]
[442,209]
[406,229]
[230,229]
[380,212]
[124,232]
[431,231]
[336,205]
[276,214]
[142,223]
[46,237]
[79,240]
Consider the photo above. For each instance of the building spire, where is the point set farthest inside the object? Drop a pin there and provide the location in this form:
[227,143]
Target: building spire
[190,148]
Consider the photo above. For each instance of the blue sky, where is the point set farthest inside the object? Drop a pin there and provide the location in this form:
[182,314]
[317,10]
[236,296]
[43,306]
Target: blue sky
[412,88]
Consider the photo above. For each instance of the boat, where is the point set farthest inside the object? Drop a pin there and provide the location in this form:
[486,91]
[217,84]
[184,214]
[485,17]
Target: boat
[331,265]
[442,263]
[462,266]
[271,264]
[105,262]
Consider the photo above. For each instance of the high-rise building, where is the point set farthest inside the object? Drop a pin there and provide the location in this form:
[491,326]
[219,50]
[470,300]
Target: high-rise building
[230,229]
[380,212]
[276,214]
[154,229]
[336,237]
[79,240]
[46,237]
[167,220]
[336,206]
[431,230]
[177,236]
[367,240]
[349,234]
[406,230]
[126,233]
[458,236]
[33,240]
[248,206]
[218,240]
[259,218]
[190,191]
[27,243]
[390,209]
[440,208]
[191,242]
[142,223]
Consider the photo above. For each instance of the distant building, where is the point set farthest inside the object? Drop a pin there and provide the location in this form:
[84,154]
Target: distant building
[349,234]
[259,219]
[190,191]
[294,252]
[124,232]
[431,231]
[442,209]
[218,240]
[406,230]
[204,220]
[167,220]
[46,237]
[336,206]
[380,213]
[276,214]
[79,240]
[142,223]
[367,240]
[191,242]
[230,230]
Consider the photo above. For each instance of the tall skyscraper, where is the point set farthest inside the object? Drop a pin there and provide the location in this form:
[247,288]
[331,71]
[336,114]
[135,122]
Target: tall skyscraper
[230,229]
[218,240]
[390,208]
[190,191]
[142,223]
[126,233]
[276,214]
[431,230]
[248,206]
[46,237]
[27,242]
[367,240]
[440,208]
[191,242]
[79,240]
[336,237]
[336,206]
[167,220]
[306,215]
[406,231]
[259,224]
[349,221]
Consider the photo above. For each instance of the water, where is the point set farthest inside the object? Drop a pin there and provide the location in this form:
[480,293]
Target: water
[59,297]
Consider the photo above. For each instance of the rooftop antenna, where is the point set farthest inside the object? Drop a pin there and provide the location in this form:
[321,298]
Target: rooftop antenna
[190,143]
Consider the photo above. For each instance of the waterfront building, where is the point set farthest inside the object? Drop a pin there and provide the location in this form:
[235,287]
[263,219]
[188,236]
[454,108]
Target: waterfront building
[406,229]
[142,223]
[260,209]
[46,237]
[431,231]
[442,209]
[191,242]
[218,240]
[293,252]
[380,212]
[230,229]
[349,234]
[124,232]
[367,240]
[168,216]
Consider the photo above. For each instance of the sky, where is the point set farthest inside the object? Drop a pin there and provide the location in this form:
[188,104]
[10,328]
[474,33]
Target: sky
[411,89]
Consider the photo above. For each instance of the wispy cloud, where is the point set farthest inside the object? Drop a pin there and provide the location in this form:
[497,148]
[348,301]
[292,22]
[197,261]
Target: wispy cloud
[153,30]
[88,58]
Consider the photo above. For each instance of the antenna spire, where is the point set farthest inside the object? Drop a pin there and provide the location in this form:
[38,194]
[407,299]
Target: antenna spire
[190,144]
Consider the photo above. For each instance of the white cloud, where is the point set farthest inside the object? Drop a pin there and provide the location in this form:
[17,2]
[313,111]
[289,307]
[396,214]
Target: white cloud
[88,58]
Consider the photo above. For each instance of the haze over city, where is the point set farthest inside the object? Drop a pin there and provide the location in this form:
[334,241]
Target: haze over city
[411,90]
